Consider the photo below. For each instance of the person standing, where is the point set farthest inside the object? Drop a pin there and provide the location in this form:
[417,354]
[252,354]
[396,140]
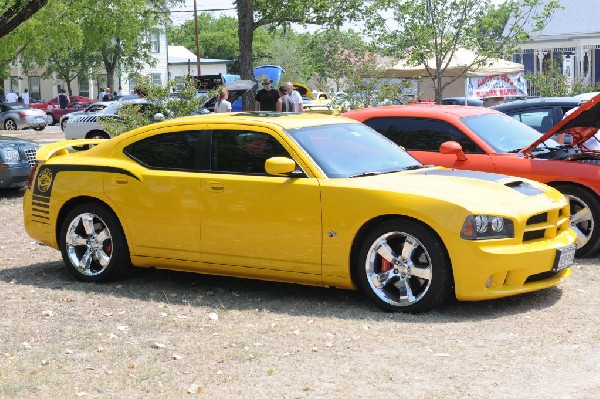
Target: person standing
[285,102]
[12,97]
[107,95]
[266,98]
[296,97]
[222,104]
[63,100]
[25,97]
[100,93]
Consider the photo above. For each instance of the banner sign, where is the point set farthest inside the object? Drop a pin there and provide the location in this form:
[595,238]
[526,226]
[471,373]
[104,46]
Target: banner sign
[506,85]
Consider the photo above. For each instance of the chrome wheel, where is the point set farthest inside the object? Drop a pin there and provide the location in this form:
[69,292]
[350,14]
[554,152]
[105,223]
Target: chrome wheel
[403,266]
[9,124]
[49,119]
[89,244]
[399,269]
[585,213]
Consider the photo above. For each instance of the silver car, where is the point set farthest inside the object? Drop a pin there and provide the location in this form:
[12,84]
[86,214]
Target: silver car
[17,157]
[14,116]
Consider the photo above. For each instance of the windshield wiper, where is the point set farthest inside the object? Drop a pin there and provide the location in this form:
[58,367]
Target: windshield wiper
[366,174]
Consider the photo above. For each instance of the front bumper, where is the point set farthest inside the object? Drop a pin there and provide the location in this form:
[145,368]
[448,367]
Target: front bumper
[14,175]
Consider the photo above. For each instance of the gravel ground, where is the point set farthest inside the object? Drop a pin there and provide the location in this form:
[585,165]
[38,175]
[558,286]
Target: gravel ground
[165,334]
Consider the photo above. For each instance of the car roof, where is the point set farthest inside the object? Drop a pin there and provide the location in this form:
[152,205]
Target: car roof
[285,120]
[424,110]
[538,102]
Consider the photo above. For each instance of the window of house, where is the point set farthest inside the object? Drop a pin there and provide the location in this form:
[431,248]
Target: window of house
[156,79]
[34,88]
[422,134]
[169,151]
[84,86]
[14,83]
[155,41]
[244,152]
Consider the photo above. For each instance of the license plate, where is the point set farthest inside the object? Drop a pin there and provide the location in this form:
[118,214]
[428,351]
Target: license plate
[40,119]
[564,258]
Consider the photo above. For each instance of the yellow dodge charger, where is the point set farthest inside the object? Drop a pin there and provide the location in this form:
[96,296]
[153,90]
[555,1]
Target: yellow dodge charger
[303,198]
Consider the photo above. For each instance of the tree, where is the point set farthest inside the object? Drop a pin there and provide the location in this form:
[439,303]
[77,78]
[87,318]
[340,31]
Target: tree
[253,14]
[429,32]
[131,115]
[118,32]
[14,12]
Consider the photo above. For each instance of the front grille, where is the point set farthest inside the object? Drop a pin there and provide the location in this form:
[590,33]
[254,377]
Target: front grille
[540,277]
[533,235]
[30,154]
[535,219]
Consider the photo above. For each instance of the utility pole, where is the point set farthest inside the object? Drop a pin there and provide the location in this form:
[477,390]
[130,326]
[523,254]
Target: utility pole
[196,34]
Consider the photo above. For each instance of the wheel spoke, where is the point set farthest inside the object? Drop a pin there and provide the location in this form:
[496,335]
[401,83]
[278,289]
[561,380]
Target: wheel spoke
[410,244]
[102,235]
[386,252]
[75,239]
[582,238]
[406,290]
[421,272]
[88,224]
[86,261]
[380,280]
[584,215]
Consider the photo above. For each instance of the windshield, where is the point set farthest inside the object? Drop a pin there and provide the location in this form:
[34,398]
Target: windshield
[352,150]
[503,133]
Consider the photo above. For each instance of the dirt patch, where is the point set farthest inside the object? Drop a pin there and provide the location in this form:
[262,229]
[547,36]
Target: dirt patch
[168,334]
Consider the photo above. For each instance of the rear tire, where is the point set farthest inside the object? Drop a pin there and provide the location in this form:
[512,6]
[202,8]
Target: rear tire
[93,244]
[9,124]
[50,120]
[402,266]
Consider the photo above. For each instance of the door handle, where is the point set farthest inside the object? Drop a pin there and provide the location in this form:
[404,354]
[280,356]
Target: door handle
[121,179]
[216,187]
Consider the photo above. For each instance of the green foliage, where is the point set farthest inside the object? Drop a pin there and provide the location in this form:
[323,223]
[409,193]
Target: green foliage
[429,32]
[131,116]
[552,83]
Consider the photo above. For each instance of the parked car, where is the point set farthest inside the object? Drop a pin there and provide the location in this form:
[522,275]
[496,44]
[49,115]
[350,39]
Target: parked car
[15,116]
[17,157]
[87,126]
[54,114]
[53,103]
[311,199]
[540,113]
[487,140]
[90,109]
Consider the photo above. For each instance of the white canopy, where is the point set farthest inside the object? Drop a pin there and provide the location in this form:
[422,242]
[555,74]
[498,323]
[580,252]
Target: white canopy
[459,62]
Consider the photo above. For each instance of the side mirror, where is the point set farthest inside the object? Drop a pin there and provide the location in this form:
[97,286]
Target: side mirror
[158,117]
[280,166]
[452,147]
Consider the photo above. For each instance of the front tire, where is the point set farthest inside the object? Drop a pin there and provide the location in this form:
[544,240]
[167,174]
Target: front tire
[585,219]
[402,266]
[93,245]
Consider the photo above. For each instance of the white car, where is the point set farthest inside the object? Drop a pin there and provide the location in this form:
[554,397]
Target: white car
[92,108]
[86,125]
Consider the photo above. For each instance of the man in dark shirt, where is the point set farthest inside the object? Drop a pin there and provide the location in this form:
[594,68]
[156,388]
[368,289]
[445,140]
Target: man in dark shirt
[266,97]
[63,100]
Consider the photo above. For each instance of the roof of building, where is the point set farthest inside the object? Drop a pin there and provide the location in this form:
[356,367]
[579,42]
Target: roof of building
[179,55]
[580,18]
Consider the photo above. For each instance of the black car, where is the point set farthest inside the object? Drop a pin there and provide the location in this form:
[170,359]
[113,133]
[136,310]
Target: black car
[539,113]
[17,157]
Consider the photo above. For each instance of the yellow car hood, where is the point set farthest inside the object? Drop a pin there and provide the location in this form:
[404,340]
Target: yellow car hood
[476,191]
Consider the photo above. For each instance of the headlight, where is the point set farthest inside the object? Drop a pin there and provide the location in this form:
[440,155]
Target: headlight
[483,227]
[10,155]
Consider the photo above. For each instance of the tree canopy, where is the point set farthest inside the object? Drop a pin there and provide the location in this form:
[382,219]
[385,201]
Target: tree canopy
[424,30]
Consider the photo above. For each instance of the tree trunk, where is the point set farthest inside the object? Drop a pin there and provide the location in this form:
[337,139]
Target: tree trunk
[245,12]
[14,17]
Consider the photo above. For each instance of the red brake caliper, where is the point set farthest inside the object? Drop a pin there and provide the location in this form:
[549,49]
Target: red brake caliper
[385,265]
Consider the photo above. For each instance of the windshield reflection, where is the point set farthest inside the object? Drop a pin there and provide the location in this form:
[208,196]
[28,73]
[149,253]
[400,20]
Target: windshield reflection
[351,149]
[505,134]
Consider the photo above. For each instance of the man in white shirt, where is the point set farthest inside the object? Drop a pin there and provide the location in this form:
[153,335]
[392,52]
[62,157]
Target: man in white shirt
[25,97]
[12,97]
[298,105]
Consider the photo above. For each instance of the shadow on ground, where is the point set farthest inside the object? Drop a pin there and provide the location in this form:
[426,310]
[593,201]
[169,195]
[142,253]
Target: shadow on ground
[181,288]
